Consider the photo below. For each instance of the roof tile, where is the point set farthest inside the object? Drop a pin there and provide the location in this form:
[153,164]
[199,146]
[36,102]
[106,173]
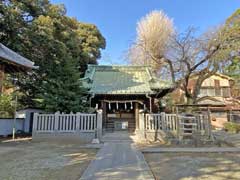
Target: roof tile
[122,80]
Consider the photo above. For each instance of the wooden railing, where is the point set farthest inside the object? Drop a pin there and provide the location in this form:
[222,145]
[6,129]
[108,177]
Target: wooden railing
[195,125]
[174,123]
[201,121]
[79,122]
[161,121]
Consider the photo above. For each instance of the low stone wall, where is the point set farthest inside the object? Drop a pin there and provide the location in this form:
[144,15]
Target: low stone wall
[82,137]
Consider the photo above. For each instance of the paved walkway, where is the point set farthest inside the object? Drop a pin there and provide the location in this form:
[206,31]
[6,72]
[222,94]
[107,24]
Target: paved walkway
[118,159]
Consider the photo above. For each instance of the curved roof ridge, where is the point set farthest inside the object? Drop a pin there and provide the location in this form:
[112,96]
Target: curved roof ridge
[125,66]
[12,57]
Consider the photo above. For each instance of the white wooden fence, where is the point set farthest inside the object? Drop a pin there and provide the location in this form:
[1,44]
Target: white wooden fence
[161,121]
[175,124]
[202,122]
[66,123]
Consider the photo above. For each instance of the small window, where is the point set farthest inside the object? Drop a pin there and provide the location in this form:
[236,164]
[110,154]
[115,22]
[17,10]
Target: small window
[217,83]
[217,92]
[217,87]
[211,92]
[226,92]
[203,92]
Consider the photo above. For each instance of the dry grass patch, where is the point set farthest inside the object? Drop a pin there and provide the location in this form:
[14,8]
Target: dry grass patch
[189,166]
[32,160]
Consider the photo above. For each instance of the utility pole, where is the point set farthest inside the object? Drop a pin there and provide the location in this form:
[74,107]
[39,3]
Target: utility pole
[15,116]
[15,111]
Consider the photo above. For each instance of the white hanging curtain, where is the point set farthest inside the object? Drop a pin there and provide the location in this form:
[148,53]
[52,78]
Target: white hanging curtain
[96,107]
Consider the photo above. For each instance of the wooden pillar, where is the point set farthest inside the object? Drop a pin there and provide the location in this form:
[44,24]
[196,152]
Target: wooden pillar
[136,108]
[104,113]
[149,103]
[2,76]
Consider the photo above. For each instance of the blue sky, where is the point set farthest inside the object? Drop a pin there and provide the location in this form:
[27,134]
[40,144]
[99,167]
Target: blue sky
[117,19]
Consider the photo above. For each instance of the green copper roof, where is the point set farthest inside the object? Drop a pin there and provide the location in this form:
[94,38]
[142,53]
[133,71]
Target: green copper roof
[122,80]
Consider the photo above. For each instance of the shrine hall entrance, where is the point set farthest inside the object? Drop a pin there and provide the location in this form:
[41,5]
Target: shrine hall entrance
[121,116]
[120,121]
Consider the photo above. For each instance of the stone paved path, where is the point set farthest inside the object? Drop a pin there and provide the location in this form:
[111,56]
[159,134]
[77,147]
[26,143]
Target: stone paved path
[118,159]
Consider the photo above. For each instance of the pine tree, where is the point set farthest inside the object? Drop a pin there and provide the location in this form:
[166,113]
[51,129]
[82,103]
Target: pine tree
[64,91]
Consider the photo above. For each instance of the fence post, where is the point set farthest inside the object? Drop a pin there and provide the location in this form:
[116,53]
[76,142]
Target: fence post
[141,120]
[56,118]
[209,128]
[78,114]
[35,119]
[178,124]
[142,124]
[99,123]
[142,129]
[230,116]
[163,118]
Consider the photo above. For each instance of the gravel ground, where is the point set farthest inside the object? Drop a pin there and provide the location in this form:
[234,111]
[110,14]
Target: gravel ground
[32,160]
[194,166]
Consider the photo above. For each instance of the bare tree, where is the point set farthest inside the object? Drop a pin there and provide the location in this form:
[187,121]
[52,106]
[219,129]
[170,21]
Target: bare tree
[204,58]
[184,54]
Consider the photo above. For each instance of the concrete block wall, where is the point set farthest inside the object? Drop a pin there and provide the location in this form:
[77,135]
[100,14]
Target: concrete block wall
[6,126]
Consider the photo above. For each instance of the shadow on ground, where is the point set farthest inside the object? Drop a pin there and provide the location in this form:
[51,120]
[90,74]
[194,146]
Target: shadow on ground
[186,166]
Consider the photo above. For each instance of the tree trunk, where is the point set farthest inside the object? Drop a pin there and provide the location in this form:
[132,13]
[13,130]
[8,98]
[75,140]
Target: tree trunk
[171,70]
[189,102]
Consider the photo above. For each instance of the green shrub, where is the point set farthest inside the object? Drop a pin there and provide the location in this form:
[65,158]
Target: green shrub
[6,106]
[232,127]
